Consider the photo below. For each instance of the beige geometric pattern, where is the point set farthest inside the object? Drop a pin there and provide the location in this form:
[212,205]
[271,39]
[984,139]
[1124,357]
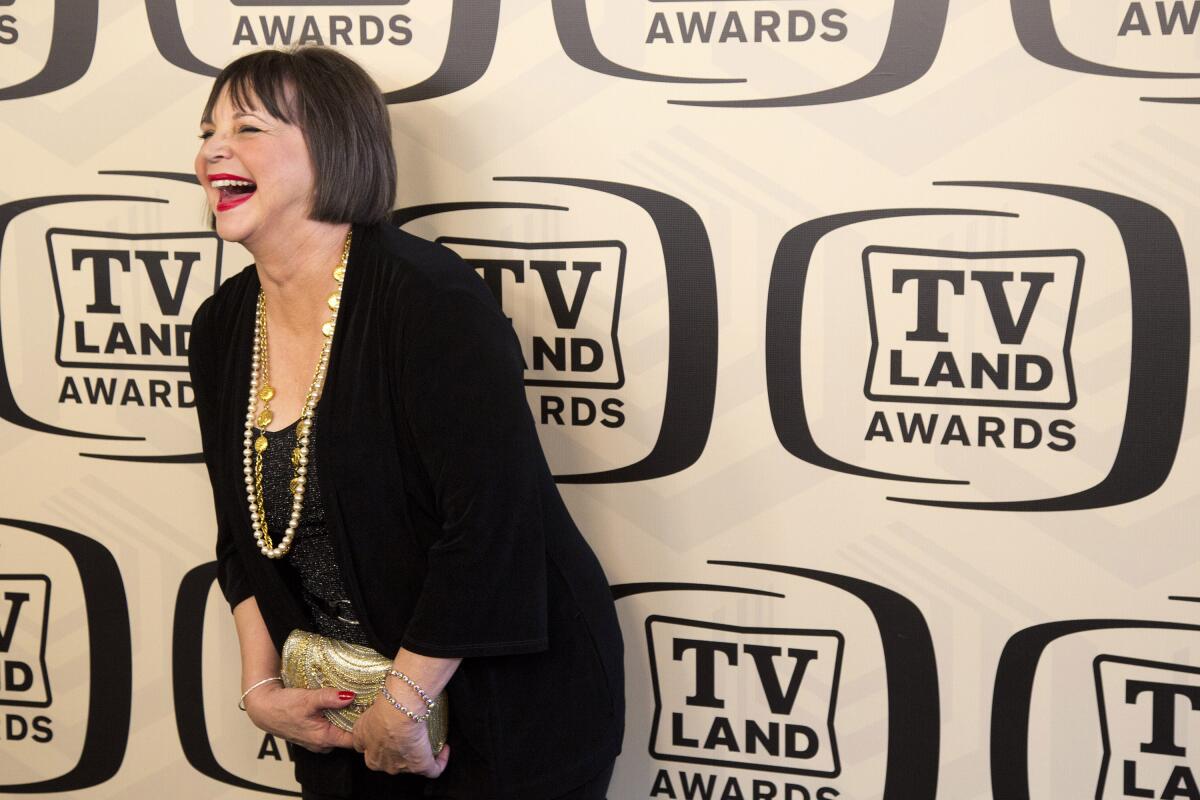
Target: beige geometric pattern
[699,337]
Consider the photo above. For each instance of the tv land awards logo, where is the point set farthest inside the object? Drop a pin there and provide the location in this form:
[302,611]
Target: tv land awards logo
[595,395]
[702,47]
[751,711]
[100,280]
[112,339]
[993,357]
[24,617]
[1150,723]
[786,722]
[1132,709]
[587,351]
[970,363]
[1140,39]
[62,59]
[65,692]
[452,42]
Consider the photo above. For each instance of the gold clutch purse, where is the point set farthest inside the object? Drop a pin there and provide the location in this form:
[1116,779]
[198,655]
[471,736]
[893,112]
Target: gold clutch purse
[312,661]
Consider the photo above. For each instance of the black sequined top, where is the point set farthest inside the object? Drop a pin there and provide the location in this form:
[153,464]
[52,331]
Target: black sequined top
[311,565]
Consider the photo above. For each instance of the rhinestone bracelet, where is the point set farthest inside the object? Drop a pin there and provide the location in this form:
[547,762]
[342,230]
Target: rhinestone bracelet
[424,697]
[383,690]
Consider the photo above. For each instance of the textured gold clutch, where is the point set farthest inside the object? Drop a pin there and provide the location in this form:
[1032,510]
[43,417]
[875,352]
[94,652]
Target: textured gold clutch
[312,661]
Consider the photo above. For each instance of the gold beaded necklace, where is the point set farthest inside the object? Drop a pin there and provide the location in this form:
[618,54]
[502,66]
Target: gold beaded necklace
[261,390]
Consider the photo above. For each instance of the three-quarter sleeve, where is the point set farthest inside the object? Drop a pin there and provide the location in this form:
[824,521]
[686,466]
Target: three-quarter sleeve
[461,394]
[231,575]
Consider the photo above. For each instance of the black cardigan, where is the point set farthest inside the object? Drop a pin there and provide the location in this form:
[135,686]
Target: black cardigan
[452,537]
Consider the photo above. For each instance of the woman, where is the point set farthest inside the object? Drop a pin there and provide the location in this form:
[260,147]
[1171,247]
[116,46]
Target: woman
[409,508]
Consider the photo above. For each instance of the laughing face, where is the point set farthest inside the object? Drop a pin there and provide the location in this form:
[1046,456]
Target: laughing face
[256,171]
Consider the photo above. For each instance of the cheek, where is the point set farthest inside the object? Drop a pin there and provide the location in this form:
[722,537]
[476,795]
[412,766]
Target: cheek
[199,166]
[297,182]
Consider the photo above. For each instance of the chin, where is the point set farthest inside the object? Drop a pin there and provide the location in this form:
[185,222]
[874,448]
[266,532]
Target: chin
[231,230]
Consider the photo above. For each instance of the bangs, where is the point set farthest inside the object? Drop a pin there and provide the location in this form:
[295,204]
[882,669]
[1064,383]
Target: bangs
[255,83]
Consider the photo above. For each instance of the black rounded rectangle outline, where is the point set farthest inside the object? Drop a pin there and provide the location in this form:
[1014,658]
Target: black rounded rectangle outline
[784,318]
[1160,347]
[714,762]
[9,409]
[910,670]
[1013,694]
[110,659]
[911,46]
[469,46]
[42,655]
[130,237]
[72,44]
[1135,662]
[692,331]
[1160,352]
[972,255]
[620,246]
[187,680]
[1034,23]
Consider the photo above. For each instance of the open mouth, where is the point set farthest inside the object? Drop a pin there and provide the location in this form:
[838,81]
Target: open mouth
[233,190]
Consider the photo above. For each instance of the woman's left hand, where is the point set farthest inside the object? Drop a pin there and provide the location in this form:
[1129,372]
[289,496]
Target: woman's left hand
[391,742]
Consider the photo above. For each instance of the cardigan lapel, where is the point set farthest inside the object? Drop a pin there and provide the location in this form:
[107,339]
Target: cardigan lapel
[339,458]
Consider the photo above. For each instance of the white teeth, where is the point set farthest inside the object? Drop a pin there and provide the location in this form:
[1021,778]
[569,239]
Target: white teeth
[226,184]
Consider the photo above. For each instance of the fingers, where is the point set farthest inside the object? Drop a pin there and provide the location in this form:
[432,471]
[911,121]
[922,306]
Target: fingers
[329,697]
[392,763]
[439,761]
[376,762]
[324,741]
[340,738]
[430,765]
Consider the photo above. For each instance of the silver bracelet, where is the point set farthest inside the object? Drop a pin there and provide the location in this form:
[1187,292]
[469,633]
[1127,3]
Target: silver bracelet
[253,686]
[424,697]
[383,690]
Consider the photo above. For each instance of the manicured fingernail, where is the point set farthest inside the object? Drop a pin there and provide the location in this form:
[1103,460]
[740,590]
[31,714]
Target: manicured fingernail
[346,695]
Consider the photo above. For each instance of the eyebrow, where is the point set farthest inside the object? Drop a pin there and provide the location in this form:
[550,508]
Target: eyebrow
[238,115]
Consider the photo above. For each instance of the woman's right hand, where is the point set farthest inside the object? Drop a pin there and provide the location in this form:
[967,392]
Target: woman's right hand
[295,715]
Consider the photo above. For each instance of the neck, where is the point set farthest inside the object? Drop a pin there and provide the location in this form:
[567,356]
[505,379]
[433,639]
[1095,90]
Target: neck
[296,269]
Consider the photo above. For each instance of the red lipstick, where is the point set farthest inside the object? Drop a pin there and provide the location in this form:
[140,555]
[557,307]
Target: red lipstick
[232,196]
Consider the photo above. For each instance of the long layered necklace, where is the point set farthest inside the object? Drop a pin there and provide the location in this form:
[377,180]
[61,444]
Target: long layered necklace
[254,447]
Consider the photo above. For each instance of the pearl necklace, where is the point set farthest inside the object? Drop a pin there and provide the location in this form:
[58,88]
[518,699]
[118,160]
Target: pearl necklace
[254,447]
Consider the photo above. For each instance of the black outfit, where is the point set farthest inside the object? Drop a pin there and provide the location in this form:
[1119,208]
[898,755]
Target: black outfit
[311,566]
[444,518]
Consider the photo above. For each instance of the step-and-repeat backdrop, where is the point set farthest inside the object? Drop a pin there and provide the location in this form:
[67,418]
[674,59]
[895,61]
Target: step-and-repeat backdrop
[858,335]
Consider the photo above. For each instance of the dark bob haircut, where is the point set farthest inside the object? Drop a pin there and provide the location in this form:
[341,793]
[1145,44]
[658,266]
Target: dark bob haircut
[342,115]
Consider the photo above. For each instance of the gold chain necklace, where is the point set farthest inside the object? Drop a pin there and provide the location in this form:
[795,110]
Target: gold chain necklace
[261,390]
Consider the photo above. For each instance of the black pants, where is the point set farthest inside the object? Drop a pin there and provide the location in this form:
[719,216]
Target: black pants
[595,789]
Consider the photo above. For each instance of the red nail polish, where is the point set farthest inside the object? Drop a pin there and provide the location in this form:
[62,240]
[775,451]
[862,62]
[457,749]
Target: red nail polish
[346,695]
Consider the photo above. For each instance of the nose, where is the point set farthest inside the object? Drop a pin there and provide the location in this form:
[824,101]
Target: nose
[215,147]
